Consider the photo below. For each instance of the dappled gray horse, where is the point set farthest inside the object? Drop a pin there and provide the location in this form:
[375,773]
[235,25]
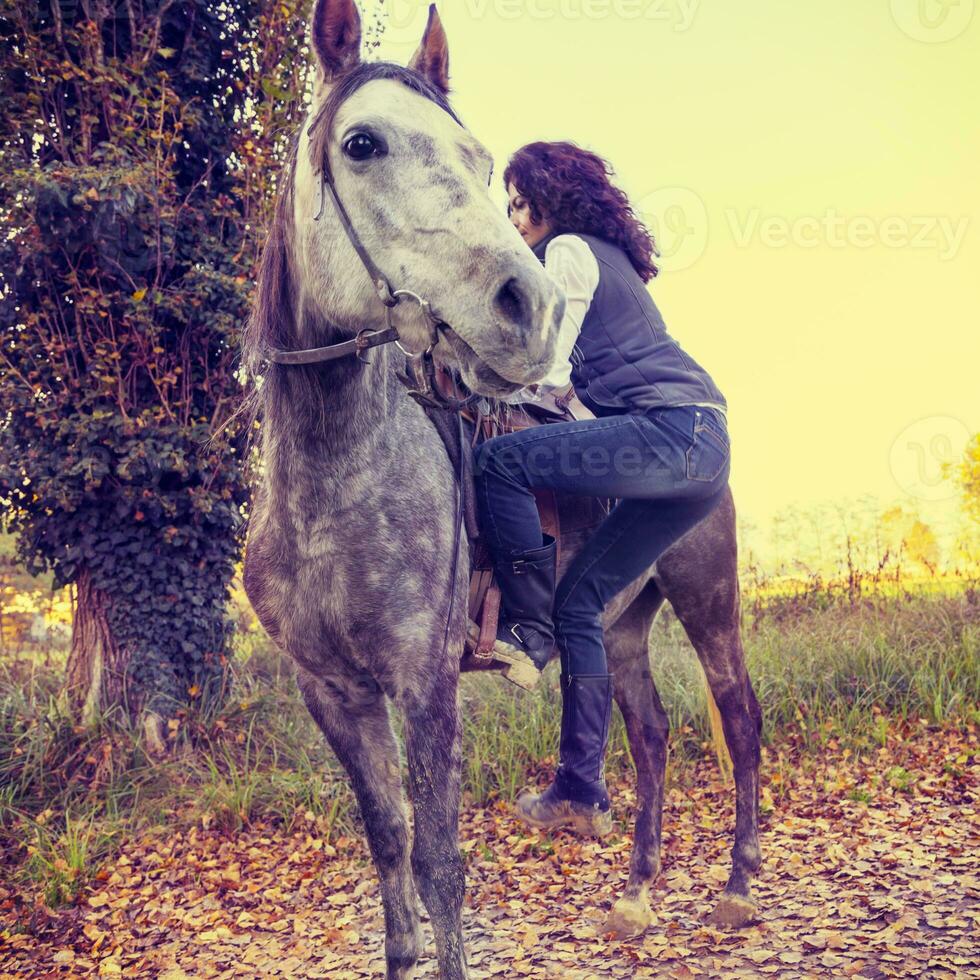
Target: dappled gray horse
[352,561]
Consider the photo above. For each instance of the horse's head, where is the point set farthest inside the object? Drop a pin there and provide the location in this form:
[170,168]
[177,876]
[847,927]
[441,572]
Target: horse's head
[414,182]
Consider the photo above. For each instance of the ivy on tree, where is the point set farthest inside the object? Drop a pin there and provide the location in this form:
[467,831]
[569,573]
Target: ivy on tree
[128,133]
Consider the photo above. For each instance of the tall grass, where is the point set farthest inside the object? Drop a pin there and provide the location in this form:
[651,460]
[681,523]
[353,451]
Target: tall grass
[834,669]
[850,666]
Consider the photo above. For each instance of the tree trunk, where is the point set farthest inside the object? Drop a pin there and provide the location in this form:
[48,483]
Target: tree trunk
[98,666]
[96,663]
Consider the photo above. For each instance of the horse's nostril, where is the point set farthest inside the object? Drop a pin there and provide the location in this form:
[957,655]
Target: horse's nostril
[511,302]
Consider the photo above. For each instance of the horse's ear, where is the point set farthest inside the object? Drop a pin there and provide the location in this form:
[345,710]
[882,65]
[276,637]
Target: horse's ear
[432,57]
[336,36]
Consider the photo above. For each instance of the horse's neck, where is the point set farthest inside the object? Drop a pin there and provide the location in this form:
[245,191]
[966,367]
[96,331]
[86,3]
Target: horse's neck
[334,438]
[329,410]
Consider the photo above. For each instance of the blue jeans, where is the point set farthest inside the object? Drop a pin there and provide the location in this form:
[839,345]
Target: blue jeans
[668,468]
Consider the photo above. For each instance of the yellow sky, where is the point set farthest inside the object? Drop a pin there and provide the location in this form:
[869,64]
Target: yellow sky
[811,171]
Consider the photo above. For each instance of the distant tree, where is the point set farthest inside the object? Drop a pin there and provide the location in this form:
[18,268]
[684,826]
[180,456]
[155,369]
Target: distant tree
[904,532]
[966,474]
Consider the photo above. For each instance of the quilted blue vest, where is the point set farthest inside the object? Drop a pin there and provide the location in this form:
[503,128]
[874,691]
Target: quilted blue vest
[624,360]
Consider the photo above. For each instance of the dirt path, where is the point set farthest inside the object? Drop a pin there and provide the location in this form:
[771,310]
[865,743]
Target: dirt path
[872,869]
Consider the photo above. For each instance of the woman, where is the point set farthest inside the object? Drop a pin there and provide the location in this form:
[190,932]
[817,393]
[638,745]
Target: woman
[659,443]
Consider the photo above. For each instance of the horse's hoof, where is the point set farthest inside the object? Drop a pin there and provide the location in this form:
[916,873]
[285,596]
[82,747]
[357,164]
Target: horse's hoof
[628,918]
[733,912]
[401,972]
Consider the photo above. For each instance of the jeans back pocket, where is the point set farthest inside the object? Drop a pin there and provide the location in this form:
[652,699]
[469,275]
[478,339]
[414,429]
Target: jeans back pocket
[710,450]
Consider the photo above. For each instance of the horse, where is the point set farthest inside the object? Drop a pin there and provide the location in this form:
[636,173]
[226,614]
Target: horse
[353,556]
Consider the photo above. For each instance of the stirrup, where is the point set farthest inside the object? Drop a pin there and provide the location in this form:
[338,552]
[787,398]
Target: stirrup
[520,669]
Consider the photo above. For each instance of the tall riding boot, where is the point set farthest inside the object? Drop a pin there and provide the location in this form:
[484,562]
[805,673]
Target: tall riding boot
[527,598]
[578,795]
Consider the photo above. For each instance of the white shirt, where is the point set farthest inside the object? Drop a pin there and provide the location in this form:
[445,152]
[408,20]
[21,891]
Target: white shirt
[569,262]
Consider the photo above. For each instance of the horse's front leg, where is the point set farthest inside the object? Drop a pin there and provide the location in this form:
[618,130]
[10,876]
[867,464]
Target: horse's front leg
[352,713]
[433,745]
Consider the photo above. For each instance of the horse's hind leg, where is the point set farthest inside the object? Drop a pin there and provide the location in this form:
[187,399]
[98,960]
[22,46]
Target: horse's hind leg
[628,654]
[701,582]
[724,666]
[433,733]
[353,715]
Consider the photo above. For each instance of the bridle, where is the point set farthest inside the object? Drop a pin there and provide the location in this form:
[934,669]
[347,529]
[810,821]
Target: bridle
[419,363]
[425,391]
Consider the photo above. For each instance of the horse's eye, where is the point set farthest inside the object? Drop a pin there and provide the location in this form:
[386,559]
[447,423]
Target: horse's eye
[360,146]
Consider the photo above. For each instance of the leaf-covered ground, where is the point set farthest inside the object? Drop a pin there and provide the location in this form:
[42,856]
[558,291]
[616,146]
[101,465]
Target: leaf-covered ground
[872,869]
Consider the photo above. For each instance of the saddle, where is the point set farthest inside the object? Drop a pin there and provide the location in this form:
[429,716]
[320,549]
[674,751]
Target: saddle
[479,421]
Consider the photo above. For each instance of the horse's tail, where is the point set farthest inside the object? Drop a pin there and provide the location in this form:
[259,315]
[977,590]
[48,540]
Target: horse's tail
[718,735]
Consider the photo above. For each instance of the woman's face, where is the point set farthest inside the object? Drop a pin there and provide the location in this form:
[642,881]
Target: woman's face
[519,209]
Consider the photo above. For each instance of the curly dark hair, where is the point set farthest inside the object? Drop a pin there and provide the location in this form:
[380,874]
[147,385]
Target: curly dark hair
[570,188]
